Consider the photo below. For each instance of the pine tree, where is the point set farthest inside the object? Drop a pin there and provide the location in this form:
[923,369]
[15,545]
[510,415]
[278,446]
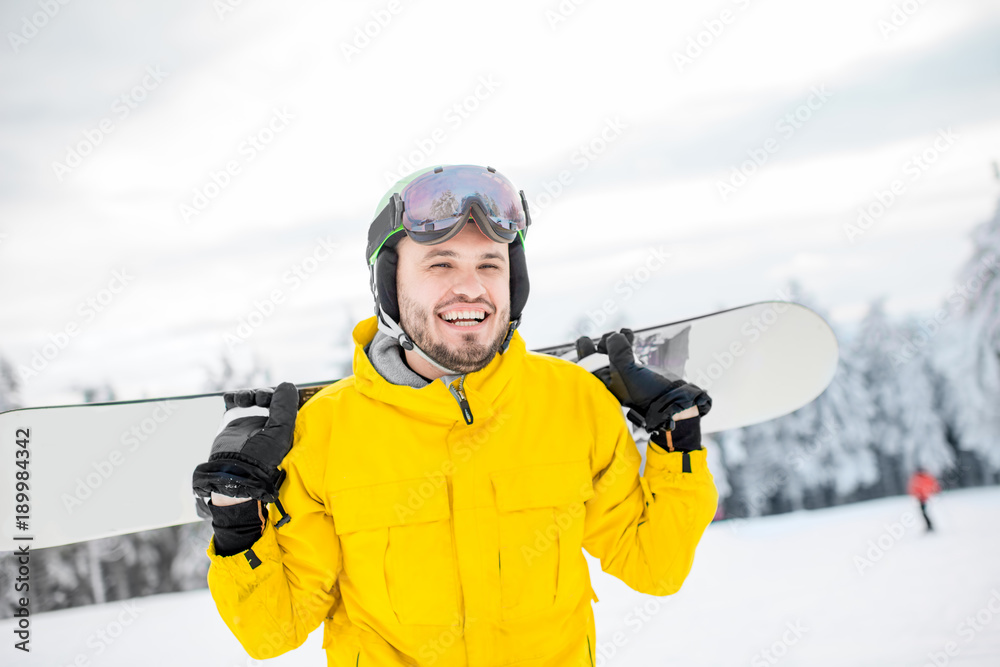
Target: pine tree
[830,439]
[967,350]
[926,445]
[762,473]
[821,454]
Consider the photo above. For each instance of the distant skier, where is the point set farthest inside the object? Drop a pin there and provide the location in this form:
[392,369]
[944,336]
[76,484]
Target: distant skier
[433,507]
[922,486]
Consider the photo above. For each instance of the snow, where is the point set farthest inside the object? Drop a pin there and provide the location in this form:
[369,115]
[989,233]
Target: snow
[751,578]
[855,585]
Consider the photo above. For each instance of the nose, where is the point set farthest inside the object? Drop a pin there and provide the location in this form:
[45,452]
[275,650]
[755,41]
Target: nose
[467,283]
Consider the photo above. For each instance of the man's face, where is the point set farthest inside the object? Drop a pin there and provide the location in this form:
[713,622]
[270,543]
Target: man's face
[454,300]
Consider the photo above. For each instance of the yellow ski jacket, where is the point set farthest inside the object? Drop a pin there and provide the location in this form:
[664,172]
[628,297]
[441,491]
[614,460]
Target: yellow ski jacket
[419,539]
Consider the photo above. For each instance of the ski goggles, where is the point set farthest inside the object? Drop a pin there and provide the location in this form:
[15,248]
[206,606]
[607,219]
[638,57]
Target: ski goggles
[435,206]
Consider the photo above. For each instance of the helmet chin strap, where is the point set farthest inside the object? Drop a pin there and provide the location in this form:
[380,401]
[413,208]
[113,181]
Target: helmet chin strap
[390,328]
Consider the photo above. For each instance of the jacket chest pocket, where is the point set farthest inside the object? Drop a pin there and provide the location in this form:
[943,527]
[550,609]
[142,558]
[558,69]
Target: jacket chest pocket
[540,519]
[398,550]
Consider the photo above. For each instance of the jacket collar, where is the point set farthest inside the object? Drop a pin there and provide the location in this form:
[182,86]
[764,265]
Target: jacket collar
[482,388]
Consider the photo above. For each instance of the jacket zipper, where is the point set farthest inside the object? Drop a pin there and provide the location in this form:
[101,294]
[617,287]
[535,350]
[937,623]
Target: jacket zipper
[456,390]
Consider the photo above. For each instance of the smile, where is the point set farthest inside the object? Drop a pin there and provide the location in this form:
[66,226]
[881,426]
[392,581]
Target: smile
[464,318]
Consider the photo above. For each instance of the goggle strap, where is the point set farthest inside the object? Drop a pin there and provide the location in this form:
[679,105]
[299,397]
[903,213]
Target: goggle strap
[527,216]
[389,220]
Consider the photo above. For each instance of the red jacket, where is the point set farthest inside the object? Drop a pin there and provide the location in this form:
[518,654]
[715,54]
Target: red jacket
[923,486]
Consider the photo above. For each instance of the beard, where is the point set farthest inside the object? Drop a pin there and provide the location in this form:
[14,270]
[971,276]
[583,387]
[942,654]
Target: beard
[471,356]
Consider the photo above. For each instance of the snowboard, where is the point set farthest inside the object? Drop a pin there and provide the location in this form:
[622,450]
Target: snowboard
[82,472]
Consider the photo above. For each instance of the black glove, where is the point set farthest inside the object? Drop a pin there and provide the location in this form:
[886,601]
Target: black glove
[246,453]
[237,527]
[651,398]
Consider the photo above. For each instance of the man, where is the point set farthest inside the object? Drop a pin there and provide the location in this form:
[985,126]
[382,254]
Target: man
[433,507]
[922,486]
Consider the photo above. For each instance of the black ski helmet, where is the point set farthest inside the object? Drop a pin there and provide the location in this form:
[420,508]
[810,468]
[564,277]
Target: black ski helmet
[383,260]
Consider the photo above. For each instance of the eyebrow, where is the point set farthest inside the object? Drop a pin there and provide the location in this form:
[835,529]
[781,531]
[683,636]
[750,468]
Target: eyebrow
[454,255]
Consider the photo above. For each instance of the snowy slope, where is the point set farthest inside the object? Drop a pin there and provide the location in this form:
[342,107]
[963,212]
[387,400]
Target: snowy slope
[794,585]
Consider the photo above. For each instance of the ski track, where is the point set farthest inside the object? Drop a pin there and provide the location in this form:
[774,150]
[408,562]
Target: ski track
[750,580]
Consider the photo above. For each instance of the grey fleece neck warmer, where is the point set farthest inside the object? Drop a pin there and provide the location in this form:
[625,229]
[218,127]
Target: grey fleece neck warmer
[386,356]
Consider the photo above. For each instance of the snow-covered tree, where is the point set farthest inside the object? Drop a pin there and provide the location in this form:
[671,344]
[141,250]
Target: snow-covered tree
[815,456]
[907,430]
[760,477]
[872,350]
[967,351]
[830,438]
[926,444]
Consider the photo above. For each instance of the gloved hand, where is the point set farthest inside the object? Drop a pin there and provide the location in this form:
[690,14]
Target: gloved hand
[246,453]
[653,400]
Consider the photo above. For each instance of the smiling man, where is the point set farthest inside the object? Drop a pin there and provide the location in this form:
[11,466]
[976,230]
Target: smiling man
[433,508]
[455,301]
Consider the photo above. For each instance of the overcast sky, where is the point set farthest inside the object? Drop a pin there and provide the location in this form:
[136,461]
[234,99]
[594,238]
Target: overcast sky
[180,164]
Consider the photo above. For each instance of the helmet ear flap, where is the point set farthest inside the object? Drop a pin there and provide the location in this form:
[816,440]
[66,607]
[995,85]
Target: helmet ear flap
[385,282]
[518,279]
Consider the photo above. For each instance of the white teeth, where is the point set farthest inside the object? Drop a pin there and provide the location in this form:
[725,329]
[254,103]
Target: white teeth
[478,315]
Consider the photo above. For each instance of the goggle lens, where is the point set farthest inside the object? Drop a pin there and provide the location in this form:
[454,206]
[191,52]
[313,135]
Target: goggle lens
[432,211]
[438,200]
